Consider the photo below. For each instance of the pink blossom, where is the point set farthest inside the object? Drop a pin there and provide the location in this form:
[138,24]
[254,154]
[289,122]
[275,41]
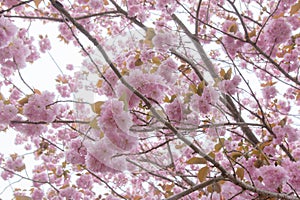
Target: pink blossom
[45,44]
[293,169]
[5,175]
[164,41]
[70,67]
[31,130]
[133,10]
[67,193]
[168,70]
[107,86]
[37,109]
[7,113]
[269,92]
[150,85]
[76,152]
[162,4]
[37,194]
[15,164]
[279,133]
[198,104]
[113,117]
[96,4]
[277,31]
[230,86]
[7,31]
[204,102]
[84,181]
[174,111]
[40,179]
[96,166]
[19,52]
[273,176]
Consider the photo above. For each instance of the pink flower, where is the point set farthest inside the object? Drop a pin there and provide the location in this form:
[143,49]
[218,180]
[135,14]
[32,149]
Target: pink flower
[68,193]
[279,133]
[37,194]
[197,104]
[168,70]
[96,165]
[96,4]
[204,102]
[76,152]
[84,181]
[230,86]
[174,111]
[19,52]
[164,41]
[133,10]
[40,179]
[273,176]
[44,44]
[150,85]
[37,109]
[107,86]
[7,31]
[7,113]
[15,164]
[269,92]
[277,31]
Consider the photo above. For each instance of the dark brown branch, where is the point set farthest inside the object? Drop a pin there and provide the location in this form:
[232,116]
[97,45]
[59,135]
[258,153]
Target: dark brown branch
[195,188]
[61,19]
[14,6]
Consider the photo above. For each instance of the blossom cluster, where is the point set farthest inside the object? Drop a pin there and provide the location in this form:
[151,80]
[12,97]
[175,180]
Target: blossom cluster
[7,113]
[39,107]
[204,102]
[230,86]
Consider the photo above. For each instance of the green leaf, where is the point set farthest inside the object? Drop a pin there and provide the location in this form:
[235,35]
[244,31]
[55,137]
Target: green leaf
[227,76]
[240,172]
[96,107]
[196,160]
[138,62]
[37,2]
[295,8]
[18,197]
[202,173]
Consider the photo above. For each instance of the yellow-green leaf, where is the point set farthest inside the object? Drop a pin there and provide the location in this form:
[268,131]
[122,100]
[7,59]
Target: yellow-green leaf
[202,173]
[138,62]
[124,99]
[150,33]
[94,124]
[282,122]
[193,87]
[96,107]
[215,187]
[295,8]
[252,33]
[222,73]
[240,172]
[200,88]
[37,2]
[227,76]
[235,155]
[211,154]
[156,60]
[218,147]
[233,28]
[18,197]
[196,160]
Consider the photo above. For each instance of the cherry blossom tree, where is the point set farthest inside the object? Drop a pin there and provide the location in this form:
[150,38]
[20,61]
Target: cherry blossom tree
[173,100]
